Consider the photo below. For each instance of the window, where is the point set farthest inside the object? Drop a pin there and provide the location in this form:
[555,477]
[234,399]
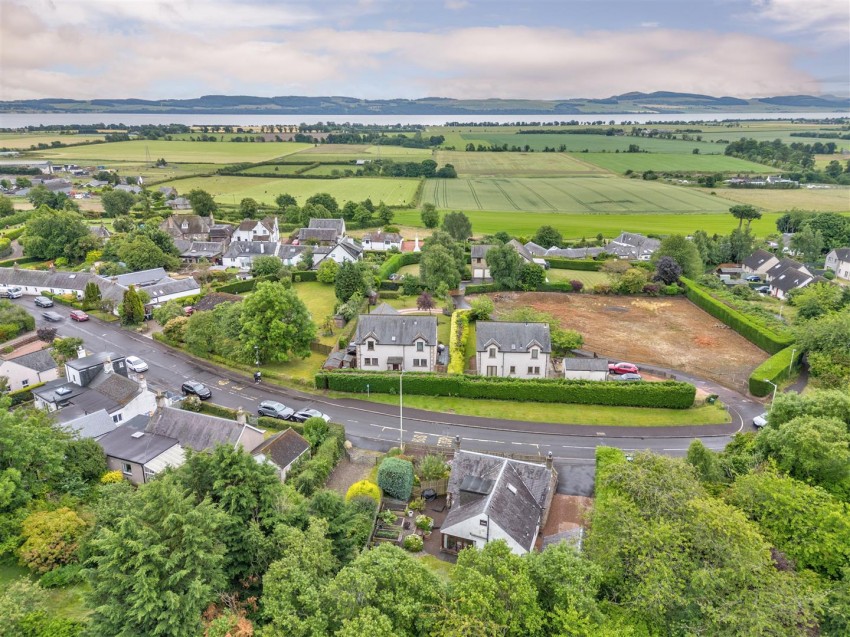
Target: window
[127,468]
[420,362]
[25,383]
[373,362]
[117,418]
[534,352]
[370,345]
[420,346]
[513,369]
[492,370]
[492,352]
[534,371]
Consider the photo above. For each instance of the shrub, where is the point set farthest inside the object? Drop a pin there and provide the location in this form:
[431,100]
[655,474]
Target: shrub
[576,285]
[413,543]
[395,477]
[458,335]
[433,467]
[63,576]
[667,394]
[364,488]
[315,431]
[424,523]
[309,475]
[775,369]
[671,290]
[51,538]
[602,288]
[191,403]
[111,477]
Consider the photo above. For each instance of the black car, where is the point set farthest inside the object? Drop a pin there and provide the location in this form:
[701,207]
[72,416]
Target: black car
[274,409]
[763,289]
[194,387]
[53,317]
[43,301]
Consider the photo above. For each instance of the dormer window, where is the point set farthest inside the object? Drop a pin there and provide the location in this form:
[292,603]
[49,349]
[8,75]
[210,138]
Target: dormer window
[370,345]
[420,346]
[534,352]
[492,352]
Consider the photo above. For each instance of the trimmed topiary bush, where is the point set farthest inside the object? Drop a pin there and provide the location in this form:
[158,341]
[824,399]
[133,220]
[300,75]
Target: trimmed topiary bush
[395,477]
[365,488]
[413,543]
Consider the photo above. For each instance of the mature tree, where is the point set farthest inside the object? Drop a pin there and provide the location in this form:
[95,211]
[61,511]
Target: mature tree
[52,234]
[275,322]
[564,341]
[741,244]
[327,271]
[457,225]
[202,202]
[455,249]
[548,237]
[482,308]
[817,299]
[161,238]
[201,333]
[91,296]
[46,334]
[425,302]
[141,253]
[349,280]
[808,242]
[429,215]
[249,208]
[306,261]
[6,206]
[326,200]
[132,309]
[385,213]
[65,349]
[684,252]
[266,265]
[51,538]
[825,340]
[505,265]
[531,276]
[170,310]
[40,196]
[369,621]
[159,566]
[84,460]
[744,212]
[667,270]
[833,227]
[117,203]
[284,201]
[124,224]
[438,266]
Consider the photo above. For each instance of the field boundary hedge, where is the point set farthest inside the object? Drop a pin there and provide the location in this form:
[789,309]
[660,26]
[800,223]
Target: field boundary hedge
[775,369]
[574,264]
[458,335]
[757,334]
[396,262]
[667,394]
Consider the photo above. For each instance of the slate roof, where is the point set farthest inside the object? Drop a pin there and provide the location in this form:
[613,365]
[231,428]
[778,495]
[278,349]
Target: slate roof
[121,443]
[521,249]
[790,279]
[173,286]
[842,254]
[92,360]
[515,500]
[382,237]
[397,330]
[92,425]
[254,248]
[209,301]
[586,364]
[249,224]
[221,231]
[479,250]
[195,224]
[115,387]
[632,245]
[39,361]
[289,251]
[317,234]
[535,249]
[45,278]
[335,224]
[193,430]
[782,266]
[512,337]
[200,249]
[574,253]
[282,448]
[384,309]
[141,278]
[758,259]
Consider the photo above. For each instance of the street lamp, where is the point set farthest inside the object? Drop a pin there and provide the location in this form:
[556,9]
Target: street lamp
[791,364]
[775,387]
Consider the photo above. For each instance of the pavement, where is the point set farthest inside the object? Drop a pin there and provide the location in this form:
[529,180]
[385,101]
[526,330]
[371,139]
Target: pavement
[379,427]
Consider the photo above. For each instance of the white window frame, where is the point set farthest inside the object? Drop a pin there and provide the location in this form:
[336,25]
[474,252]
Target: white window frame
[126,468]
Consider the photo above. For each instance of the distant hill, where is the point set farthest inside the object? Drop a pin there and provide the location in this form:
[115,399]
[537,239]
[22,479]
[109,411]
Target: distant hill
[658,102]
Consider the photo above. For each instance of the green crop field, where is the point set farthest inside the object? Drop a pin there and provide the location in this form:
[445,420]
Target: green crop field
[24,141]
[277,169]
[231,189]
[591,143]
[673,162]
[578,225]
[516,164]
[588,278]
[568,194]
[176,151]
[353,152]
[831,199]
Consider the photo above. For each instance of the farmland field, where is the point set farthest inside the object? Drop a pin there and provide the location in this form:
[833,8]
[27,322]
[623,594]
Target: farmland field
[229,189]
[192,152]
[277,169]
[353,152]
[591,143]
[673,162]
[672,333]
[832,199]
[13,140]
[567,194]
[515,164]
[578,225]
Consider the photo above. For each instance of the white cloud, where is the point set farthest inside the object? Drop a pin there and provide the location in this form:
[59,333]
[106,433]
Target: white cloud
[649,25]
[823,17]
[455,5]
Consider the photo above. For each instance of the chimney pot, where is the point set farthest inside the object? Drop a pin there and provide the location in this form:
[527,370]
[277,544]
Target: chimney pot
[549,460]
[160,400]
[457,443]
[241,416]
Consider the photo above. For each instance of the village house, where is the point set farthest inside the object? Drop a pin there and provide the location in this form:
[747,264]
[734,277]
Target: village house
[100,231]
[241,254]
[838,260]
[493,498]
[519,350]
[178,203]
[257,230]
[322,232]
[194,251]
[282,451]
[347,250]
[478,257]
[586,368]
[396,342]
[781,266]
[188,227]
[26,370]
[759,262]
[632,246]
[381,241]
[790,279]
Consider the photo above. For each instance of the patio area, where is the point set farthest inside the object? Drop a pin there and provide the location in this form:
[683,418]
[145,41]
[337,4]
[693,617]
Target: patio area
[437,510]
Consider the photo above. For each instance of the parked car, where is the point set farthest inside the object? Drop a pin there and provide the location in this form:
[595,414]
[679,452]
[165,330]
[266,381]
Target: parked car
[754,278]
[760,420]
[622,368]
[136,364]
[53,317]
[306,414]
[43,301]
[763,289]
[198,389]
[79,315]
[274,409]
[11,292]
[628,377]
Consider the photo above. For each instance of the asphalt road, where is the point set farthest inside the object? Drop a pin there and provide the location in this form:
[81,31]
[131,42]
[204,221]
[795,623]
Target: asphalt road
[378,426]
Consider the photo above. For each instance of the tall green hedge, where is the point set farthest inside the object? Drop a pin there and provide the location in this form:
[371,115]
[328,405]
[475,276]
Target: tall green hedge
[775,369]
[667,394]
[396,262]
[245,286]
[574,264]
[458,335]
[758,335]
[395,477]
[483,288]
[303,276]
[309,475]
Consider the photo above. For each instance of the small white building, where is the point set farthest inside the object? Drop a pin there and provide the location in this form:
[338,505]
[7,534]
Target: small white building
[759,262]
[257,230]
[838,260]
[381,241]
[282,451]
[241,254]
[396,342]
[26,370]
[518,350]
[790,279]
[586,368]
[347,250]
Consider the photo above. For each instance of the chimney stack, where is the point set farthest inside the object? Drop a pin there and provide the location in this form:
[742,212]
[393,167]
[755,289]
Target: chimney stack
[160,400]
[143,383]
[456,444]
[241,417]
[107,366]
[81,352]
[549,461]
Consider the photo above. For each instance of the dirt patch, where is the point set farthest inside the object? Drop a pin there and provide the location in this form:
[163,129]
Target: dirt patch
[347,473]
[672,333]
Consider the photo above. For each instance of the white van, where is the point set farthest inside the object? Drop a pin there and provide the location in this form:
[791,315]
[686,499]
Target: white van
[12,292]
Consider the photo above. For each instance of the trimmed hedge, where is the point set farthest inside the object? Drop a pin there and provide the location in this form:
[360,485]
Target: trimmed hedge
[390,286]
[483,288]
[11,235]
[245,286]
[776,369]
[23,395]
[574,264]
[758,335]
[560,286]
[309,475]
[667,394]
[458,334]
[389,294]
[22,261]
[396,262]
[303,276]
[395,478]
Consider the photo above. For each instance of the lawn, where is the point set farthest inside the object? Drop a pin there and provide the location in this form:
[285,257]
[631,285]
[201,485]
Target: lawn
[516,164]
[438,567]
[832,199]
[65,602]
[590,143]
[177,151]
[673,162]
[587,277]
[320,300]
[231,189]
[578,225]
[568,194]
[561,413]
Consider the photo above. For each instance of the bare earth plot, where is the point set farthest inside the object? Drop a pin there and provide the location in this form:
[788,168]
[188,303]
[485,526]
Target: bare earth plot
[832,199]
[671,333]
[515,164]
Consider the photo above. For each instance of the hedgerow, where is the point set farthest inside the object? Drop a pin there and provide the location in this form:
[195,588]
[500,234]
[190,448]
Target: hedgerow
[775,369]
[309,475]
[396,262]
[574,264]
[758,335]
[667,394]
[458,335]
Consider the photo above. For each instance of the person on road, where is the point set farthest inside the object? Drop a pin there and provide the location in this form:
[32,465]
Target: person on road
[257,376]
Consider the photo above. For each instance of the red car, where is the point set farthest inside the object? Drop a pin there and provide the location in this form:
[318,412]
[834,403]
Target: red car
[622,368]
[79,315]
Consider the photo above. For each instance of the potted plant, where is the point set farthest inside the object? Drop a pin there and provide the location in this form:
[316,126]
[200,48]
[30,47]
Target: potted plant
[425,524]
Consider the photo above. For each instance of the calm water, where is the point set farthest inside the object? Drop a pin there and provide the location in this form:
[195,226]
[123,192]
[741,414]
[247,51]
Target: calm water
[15,120]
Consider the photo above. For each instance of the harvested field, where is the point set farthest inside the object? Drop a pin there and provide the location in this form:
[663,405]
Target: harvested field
[515,164]
[671,333]
[831,199]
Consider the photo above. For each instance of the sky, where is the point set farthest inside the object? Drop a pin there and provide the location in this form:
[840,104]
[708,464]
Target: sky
[379,49]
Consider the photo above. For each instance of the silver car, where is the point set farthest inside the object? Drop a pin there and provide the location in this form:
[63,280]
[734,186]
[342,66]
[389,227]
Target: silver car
[136,364]
[274,409]
[760,420]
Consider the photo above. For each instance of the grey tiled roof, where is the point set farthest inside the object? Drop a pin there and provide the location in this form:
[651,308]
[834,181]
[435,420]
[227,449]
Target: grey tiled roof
[98,358]
[116,387]
[586,364]
[384,309]
[535,249]
[397,330]
[842,254]
[39,361]
[382,237]
[336,224]
[758,259]
[141,278]
[512,337]
[121,444]
[45,278]
[92,425]
[480,250]
[283,448]
[632,245]
[784,264]
[193,430]
[521,250]
[254,248]
[318,234]
[574,253]
[790,279]
[200,248]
